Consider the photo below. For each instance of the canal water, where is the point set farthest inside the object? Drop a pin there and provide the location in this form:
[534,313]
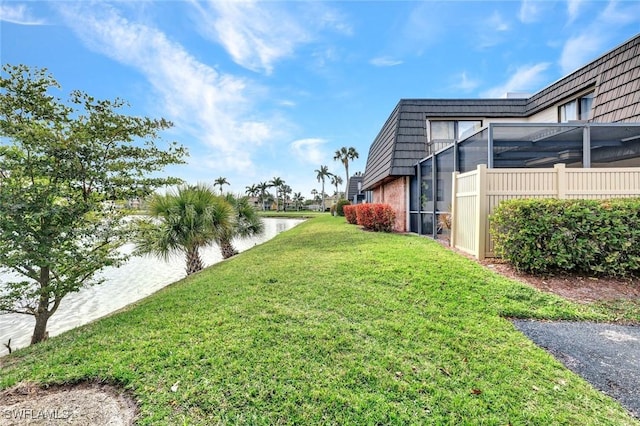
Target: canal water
[136,279]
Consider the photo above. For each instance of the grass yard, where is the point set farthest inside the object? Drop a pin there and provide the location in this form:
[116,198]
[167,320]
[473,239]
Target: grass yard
[327,324]
[302,214]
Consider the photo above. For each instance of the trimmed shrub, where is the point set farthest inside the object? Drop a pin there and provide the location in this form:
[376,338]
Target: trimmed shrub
[600,237]
[350,214]
[340,206]
[376,217]
[364,215]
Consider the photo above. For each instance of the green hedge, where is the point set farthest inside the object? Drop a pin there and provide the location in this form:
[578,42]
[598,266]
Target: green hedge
[599,237]
[340,206]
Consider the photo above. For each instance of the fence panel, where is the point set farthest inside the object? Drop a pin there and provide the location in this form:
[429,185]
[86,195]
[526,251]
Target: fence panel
[475,201]
[465,211]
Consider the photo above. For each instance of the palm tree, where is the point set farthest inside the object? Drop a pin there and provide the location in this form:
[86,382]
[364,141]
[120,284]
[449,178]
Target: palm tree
[252,191]
[262,188]
[221,181]
[322,173]
[336,180]
[247,224]
[186,220]
[345,155]
[285,191]
[298,199]
[276,183]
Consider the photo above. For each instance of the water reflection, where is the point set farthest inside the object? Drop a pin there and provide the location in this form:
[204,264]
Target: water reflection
[138,278]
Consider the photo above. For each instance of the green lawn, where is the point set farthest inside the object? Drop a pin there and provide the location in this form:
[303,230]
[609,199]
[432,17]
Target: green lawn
[327,324]
[304,214]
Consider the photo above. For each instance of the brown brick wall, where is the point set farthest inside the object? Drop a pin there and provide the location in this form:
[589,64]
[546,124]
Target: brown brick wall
[394,193]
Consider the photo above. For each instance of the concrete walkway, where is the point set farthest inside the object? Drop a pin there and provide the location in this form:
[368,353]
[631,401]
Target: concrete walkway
[606,355]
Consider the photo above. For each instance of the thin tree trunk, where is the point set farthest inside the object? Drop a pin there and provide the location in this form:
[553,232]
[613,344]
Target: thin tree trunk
[346,188]
[194,261]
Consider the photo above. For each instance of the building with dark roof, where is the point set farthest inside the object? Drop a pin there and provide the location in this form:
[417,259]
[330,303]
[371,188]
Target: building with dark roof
[355,193]
[575,121]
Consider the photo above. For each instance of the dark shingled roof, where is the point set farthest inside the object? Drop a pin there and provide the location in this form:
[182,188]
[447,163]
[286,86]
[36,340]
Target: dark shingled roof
[353,186]
[402,140]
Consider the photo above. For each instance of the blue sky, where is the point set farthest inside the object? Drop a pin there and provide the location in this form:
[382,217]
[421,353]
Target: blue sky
[264,89]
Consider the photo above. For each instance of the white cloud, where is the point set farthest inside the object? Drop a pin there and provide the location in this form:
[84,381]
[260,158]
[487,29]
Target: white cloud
[590,43]
[578,50]
[18,14]
[256,35]
[385,61]
[619,13]
[525,79]
[464,83]
[328,18]
[287,103]
[573,9]
[426,24]
[211,107]
[309,150]
[492,31]
[530,11]
[497,22]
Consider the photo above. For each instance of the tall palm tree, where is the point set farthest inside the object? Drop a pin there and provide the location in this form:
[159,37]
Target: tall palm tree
[345,155]
[247,224]
[277,183]
[263,187]
[321,174]
[285,191]
[221,181]
[336,180]
[298,199]
[185,221]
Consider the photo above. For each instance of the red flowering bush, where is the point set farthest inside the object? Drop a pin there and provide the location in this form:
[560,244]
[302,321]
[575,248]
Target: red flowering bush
[376,217]
[350,214]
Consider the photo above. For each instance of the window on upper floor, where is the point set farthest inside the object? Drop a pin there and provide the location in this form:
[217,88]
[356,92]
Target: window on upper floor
[586,103]
[441,130]
[577,109]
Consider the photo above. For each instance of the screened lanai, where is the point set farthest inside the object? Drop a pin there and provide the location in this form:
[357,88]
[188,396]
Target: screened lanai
[516,145]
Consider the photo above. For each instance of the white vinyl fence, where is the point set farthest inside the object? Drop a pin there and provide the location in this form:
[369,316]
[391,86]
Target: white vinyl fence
[477,193]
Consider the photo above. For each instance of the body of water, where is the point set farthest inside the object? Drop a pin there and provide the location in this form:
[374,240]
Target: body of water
[136,279]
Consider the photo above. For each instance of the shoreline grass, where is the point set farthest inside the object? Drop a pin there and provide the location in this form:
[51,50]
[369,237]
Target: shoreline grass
[326,324]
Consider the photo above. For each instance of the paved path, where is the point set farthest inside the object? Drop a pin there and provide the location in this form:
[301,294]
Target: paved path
[606,355]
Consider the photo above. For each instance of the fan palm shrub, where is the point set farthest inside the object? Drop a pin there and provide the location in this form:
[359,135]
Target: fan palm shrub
[246,224]
[183,222]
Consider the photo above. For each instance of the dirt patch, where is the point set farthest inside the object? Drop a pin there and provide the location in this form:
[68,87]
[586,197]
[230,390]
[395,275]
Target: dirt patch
[573,287]
[81,404]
